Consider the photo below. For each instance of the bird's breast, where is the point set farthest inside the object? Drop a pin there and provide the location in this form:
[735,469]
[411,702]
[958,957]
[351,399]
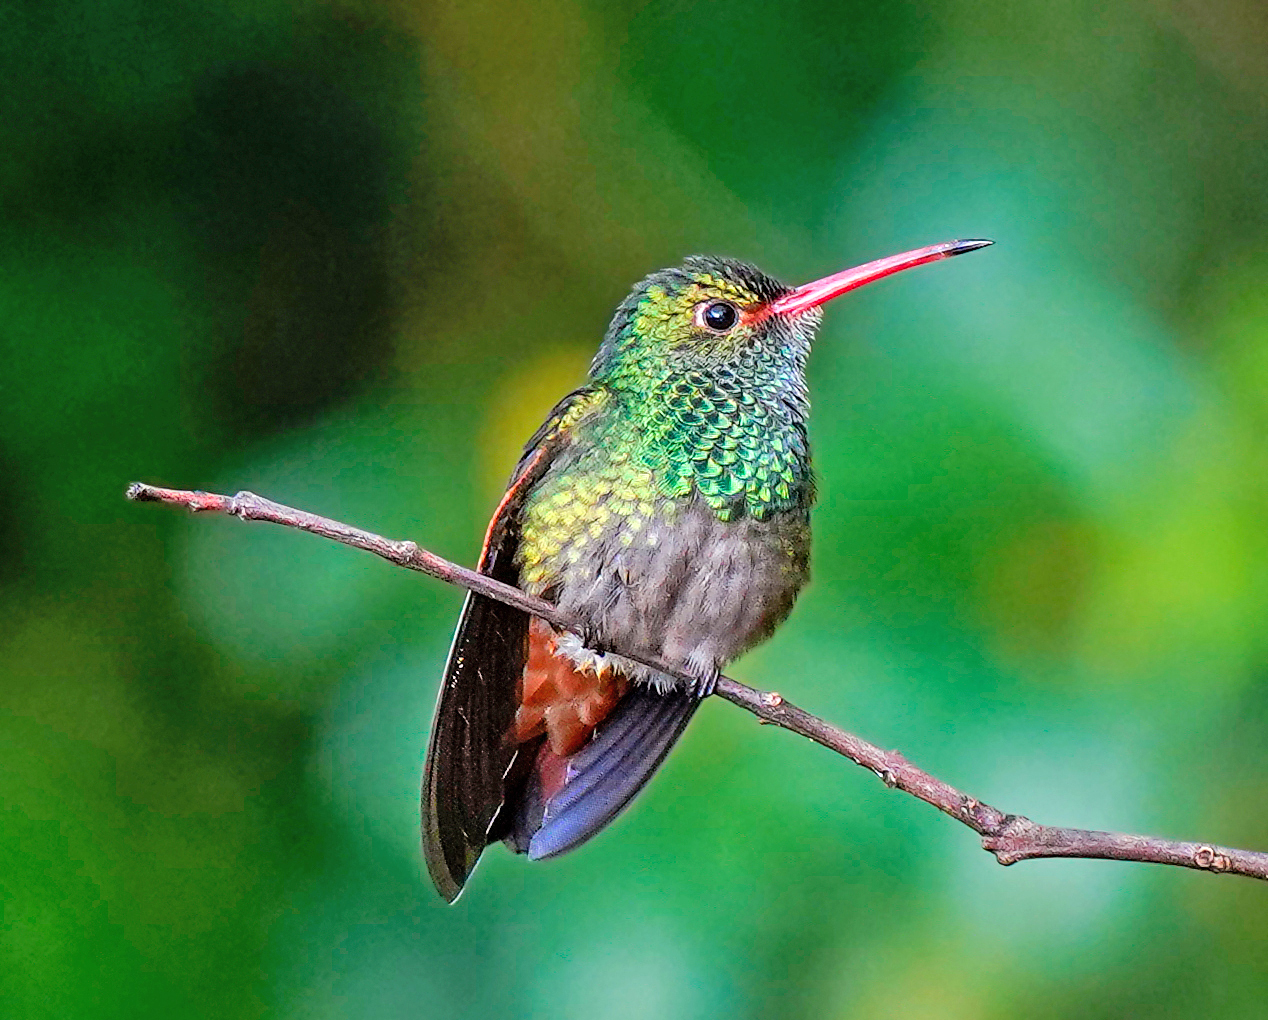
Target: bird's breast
[658,575]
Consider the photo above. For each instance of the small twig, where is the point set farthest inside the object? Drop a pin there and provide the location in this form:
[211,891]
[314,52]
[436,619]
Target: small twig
[1010,838]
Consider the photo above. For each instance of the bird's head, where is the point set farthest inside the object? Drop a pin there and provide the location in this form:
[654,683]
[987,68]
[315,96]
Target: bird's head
[713,312]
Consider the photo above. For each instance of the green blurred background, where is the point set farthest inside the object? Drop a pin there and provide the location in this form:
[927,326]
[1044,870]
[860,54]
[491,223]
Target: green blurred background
[347,254]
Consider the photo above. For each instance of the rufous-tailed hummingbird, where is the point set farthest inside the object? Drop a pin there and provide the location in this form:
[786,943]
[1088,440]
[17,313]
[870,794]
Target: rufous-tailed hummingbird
[665,505]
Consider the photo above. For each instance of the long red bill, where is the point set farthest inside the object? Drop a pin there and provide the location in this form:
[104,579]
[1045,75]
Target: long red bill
[811,295]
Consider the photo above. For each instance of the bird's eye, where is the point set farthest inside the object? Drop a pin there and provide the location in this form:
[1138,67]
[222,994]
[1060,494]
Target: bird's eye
[720,316]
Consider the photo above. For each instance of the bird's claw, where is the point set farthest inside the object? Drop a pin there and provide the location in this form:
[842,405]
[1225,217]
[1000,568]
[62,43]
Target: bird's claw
[704,686]
[588,635]
[590,638]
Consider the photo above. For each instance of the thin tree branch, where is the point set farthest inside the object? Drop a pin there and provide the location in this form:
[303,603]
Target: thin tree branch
[1010,838]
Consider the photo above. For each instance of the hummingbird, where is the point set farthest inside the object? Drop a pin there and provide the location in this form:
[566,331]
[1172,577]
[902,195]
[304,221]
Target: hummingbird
[665,506]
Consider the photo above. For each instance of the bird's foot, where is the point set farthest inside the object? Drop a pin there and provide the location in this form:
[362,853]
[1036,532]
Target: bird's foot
[587,636]
[703,686]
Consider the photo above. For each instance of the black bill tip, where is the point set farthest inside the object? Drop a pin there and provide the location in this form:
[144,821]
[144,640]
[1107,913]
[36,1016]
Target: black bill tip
[972,244]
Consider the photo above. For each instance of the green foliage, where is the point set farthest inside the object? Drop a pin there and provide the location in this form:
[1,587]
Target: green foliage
[349,255]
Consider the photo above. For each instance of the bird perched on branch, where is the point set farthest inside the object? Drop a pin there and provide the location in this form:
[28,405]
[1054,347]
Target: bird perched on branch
[666,505]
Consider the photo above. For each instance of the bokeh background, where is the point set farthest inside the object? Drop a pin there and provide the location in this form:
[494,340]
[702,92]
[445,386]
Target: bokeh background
[347,254]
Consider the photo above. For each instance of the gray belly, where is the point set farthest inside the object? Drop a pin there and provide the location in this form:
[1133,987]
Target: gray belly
[693,589]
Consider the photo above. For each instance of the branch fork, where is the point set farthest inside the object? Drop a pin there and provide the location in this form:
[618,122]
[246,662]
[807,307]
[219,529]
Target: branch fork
[1010,838]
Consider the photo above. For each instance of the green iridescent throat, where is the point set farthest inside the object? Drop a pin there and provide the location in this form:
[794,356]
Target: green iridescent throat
[711,434]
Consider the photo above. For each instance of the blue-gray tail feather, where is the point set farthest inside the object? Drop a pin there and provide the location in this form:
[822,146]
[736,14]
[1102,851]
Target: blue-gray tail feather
[604,776]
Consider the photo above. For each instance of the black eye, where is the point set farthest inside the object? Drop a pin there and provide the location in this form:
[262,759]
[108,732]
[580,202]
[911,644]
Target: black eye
[721,316]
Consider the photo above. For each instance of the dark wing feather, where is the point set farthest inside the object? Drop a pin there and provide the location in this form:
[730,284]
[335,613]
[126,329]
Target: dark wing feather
[471,769]
[468,757]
